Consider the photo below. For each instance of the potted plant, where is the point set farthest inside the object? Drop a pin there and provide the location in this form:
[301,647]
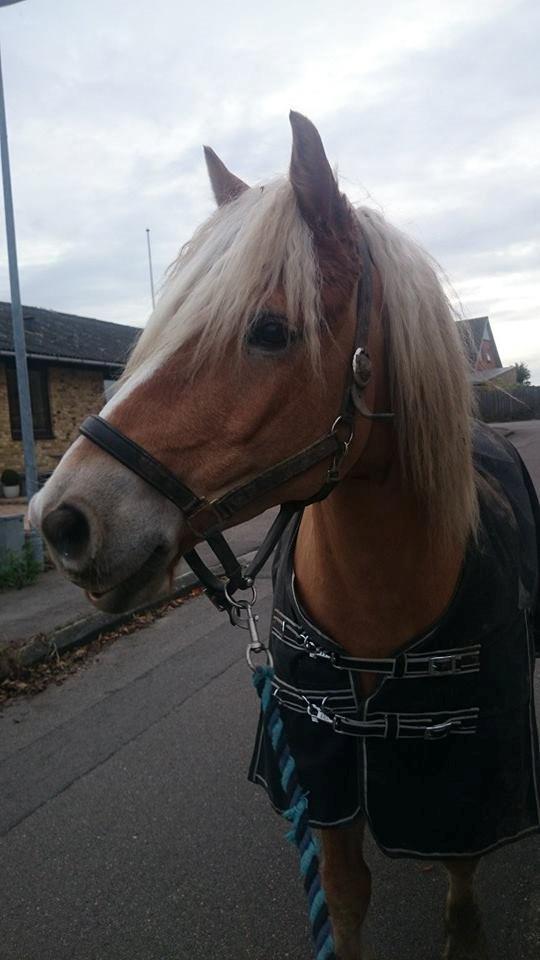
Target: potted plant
[11,483]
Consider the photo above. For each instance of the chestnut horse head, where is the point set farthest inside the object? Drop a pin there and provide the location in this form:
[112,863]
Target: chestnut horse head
[245,361]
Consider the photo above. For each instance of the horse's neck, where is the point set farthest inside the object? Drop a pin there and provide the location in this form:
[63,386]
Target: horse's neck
[365,570]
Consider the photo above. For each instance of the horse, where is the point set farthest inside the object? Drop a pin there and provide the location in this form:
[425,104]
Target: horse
[406,573]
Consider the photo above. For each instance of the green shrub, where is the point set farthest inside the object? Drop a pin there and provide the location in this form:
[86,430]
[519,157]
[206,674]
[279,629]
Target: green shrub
[18,569]
[10,478]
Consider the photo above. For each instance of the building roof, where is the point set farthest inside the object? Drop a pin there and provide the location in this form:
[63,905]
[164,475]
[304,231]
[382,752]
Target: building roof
[473,331]
[68,338]
[484,376]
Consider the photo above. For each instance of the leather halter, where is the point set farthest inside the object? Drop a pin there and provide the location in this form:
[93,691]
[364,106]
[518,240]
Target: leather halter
[206,518]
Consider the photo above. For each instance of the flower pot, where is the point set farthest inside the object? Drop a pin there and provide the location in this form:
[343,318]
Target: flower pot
[10,492]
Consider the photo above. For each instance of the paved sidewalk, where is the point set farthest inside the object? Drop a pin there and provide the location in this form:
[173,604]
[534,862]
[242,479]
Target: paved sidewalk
[53,602]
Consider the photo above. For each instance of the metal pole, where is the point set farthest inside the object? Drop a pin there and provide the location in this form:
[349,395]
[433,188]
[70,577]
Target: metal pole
[23,385]
[150,268]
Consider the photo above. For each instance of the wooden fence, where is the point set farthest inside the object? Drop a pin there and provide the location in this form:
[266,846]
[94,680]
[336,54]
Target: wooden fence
[500,406]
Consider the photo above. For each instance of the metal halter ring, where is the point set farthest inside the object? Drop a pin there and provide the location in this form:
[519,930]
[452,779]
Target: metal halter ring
[242,603]
[337,426]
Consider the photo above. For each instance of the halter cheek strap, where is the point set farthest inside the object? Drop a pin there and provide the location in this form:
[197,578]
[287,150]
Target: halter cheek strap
[206,518]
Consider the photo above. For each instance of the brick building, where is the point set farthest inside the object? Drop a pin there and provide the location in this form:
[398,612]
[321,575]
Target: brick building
[484,356]
[69,360]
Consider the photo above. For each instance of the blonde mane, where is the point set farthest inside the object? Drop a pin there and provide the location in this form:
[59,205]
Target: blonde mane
[429,380]
[227,271]
[238,257]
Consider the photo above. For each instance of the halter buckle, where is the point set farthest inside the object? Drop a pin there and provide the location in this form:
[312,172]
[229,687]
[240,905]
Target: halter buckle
[443,664]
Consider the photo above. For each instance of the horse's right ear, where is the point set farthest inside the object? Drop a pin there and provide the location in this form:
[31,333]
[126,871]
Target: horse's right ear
[225,185]
[311,176]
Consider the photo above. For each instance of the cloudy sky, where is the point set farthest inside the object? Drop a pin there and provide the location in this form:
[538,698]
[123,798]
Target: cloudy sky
[430,109]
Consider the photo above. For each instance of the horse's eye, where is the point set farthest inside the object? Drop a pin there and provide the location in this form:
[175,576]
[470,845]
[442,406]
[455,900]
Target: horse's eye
[271,332]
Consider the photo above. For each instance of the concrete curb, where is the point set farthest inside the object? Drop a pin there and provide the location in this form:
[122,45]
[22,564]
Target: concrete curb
[81,632]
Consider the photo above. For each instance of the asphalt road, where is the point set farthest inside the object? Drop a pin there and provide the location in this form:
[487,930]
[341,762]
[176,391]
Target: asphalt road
[129,832]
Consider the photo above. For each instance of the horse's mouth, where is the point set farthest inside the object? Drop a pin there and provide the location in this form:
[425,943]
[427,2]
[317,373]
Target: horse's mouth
[150,581]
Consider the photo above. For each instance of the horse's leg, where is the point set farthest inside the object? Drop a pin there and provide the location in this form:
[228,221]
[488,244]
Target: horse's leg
[465,938]
[347,884]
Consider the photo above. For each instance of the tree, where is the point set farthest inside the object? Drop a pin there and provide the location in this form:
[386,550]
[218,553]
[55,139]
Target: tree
[523,374]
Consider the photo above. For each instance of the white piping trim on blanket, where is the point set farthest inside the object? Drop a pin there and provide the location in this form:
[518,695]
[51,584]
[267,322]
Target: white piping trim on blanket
[380,683]
[444,856]
[300,635]
[313,823]
[389,851]
[338,692]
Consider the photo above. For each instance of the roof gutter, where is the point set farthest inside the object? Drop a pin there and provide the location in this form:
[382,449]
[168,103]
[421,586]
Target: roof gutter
[75,360]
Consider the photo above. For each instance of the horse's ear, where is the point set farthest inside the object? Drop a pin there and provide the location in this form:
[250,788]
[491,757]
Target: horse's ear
[311,176]
[225,185]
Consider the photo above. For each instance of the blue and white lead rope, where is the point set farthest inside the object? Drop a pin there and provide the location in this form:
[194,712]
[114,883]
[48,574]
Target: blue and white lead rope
[297,813]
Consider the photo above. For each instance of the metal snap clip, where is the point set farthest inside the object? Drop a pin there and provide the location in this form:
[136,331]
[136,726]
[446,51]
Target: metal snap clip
[258,648]
[316,713]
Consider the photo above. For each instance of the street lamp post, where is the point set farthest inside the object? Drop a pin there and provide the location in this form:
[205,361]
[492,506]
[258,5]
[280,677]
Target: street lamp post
[19,345]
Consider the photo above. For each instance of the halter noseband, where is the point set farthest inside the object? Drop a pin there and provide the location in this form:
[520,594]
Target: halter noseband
[206,518]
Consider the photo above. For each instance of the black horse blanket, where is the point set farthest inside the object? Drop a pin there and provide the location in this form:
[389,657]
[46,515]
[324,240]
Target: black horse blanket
[442,759]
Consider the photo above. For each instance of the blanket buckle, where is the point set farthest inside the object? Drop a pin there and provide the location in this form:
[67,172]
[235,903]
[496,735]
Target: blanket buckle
[316,713]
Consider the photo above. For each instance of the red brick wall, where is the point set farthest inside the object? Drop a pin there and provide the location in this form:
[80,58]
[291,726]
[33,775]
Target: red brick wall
[487,358]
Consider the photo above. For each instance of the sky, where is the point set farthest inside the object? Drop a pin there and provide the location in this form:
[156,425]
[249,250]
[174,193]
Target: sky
[430,111]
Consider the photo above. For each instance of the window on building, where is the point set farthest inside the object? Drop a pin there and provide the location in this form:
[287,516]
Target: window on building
[39,398]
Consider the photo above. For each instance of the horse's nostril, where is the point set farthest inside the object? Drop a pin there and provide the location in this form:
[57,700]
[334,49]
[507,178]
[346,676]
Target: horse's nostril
[68,531]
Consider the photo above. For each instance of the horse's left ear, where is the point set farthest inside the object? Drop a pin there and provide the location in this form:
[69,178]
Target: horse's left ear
[225,185]
[311,176]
